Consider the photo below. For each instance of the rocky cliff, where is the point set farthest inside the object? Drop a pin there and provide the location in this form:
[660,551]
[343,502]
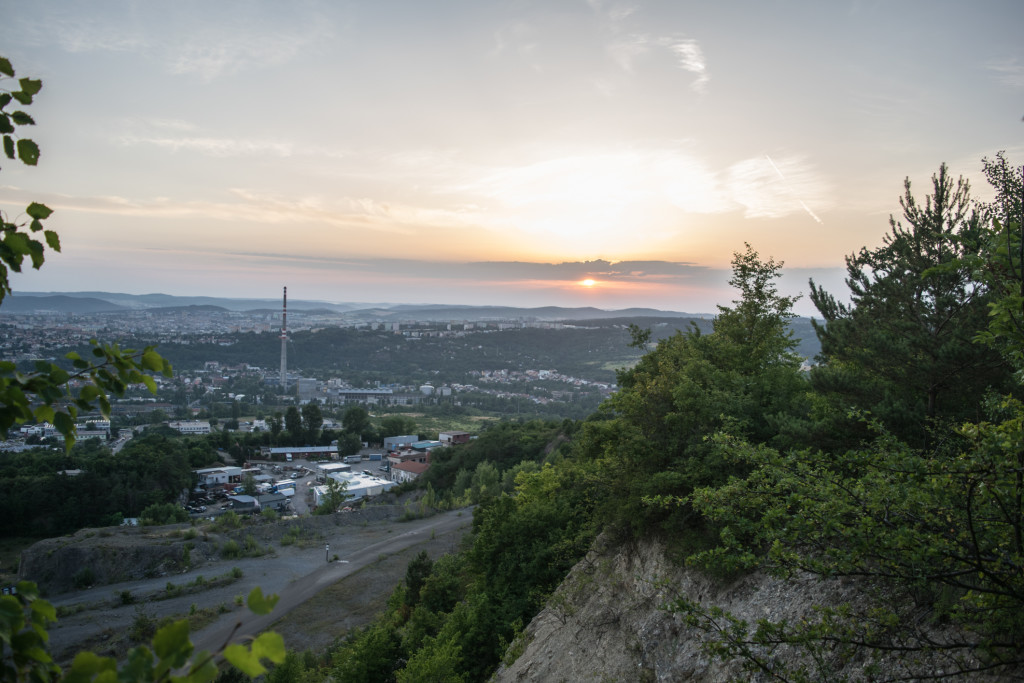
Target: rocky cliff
[607,622]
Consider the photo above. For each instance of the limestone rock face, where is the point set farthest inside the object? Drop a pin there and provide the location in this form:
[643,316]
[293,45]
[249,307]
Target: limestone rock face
[606,621]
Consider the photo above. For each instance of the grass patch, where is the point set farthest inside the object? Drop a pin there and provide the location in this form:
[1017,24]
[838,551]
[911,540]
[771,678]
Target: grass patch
[200,583]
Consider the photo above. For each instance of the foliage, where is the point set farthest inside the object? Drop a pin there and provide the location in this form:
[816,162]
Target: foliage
[356,420]
[41,500]
[312,420]
[742,377]
[934,532]
[24,623]
[334,499]
[397,425]
[904,348]
[502,444]
[163,513]
[1003,264]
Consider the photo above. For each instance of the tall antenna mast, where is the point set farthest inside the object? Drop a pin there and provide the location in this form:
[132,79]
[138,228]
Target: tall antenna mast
[284,342]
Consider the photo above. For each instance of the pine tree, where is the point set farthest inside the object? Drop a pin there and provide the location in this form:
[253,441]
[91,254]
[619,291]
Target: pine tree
[904,349]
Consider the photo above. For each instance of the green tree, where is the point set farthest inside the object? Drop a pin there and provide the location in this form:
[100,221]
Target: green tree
[293,423]
[744,378]
[397,425]
[903,349]
[334,499]
[415,576]
[1002,260]
[348,444]
[355,419]
[163,513]
[312,421]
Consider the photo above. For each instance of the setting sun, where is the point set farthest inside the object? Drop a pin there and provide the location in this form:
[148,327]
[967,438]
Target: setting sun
[588,283]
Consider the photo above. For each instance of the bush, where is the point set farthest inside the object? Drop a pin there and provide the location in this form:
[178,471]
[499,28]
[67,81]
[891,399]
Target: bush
[163,513]
[84,577]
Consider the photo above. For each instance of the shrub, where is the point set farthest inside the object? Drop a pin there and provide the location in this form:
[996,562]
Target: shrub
[84,577]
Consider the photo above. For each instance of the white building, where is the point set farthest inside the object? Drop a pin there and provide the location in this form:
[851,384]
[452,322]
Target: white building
[190,427]
[218,476]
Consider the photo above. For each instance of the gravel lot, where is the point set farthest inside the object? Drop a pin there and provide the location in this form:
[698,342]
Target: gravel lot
[370,549]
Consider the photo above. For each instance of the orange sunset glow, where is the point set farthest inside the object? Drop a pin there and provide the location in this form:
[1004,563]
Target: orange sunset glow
[528,154]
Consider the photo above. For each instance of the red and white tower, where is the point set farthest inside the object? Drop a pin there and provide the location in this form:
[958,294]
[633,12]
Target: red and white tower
[284,342]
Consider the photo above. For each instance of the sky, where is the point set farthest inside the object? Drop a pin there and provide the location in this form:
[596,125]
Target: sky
[515,152]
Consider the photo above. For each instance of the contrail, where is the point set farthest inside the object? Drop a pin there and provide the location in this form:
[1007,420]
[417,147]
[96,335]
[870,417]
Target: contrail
[790,188]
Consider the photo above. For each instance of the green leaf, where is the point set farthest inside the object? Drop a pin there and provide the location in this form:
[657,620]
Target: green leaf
[35,249]
[44,413]
[5,67]
[269,645]
[206,672]
[30,86]
[87,665]
[28,151]
[38,211]
[64,425]
[17,242]
[20,118]
[151,360]
[260,604]
[244,660]
[5,124]
[171,643]
[52,239]
[9,146]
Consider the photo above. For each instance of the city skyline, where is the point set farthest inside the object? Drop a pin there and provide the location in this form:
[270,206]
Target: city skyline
[568,154]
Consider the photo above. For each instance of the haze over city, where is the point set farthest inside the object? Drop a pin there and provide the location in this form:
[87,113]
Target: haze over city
[532,153]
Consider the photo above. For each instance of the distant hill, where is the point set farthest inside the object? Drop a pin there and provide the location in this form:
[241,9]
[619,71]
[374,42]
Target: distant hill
[150,301]
[434,312]
[25,304]
[74,302]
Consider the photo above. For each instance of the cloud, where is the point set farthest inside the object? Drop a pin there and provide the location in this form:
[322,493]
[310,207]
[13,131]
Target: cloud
[175,135]
[217,147]
[1009,72]
[210,41]
[774,189]
[691,58]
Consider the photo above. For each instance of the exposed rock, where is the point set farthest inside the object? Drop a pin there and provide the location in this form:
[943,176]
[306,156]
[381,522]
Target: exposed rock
[606,621]
[104,556]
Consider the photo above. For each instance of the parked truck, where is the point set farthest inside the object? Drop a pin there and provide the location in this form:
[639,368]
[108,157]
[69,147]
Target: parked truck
[353,458]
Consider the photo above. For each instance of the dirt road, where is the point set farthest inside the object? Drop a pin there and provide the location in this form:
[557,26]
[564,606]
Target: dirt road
[298,592]
[98,618]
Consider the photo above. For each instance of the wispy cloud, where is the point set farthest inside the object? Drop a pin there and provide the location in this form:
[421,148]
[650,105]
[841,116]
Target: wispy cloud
[774,189]
[176,135]
[1009,72]
[224,39]
[691,58]
[218,147]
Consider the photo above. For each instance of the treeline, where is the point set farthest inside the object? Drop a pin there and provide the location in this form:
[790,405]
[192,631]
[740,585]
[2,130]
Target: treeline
[896,462]
[48,492]
[364,356]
